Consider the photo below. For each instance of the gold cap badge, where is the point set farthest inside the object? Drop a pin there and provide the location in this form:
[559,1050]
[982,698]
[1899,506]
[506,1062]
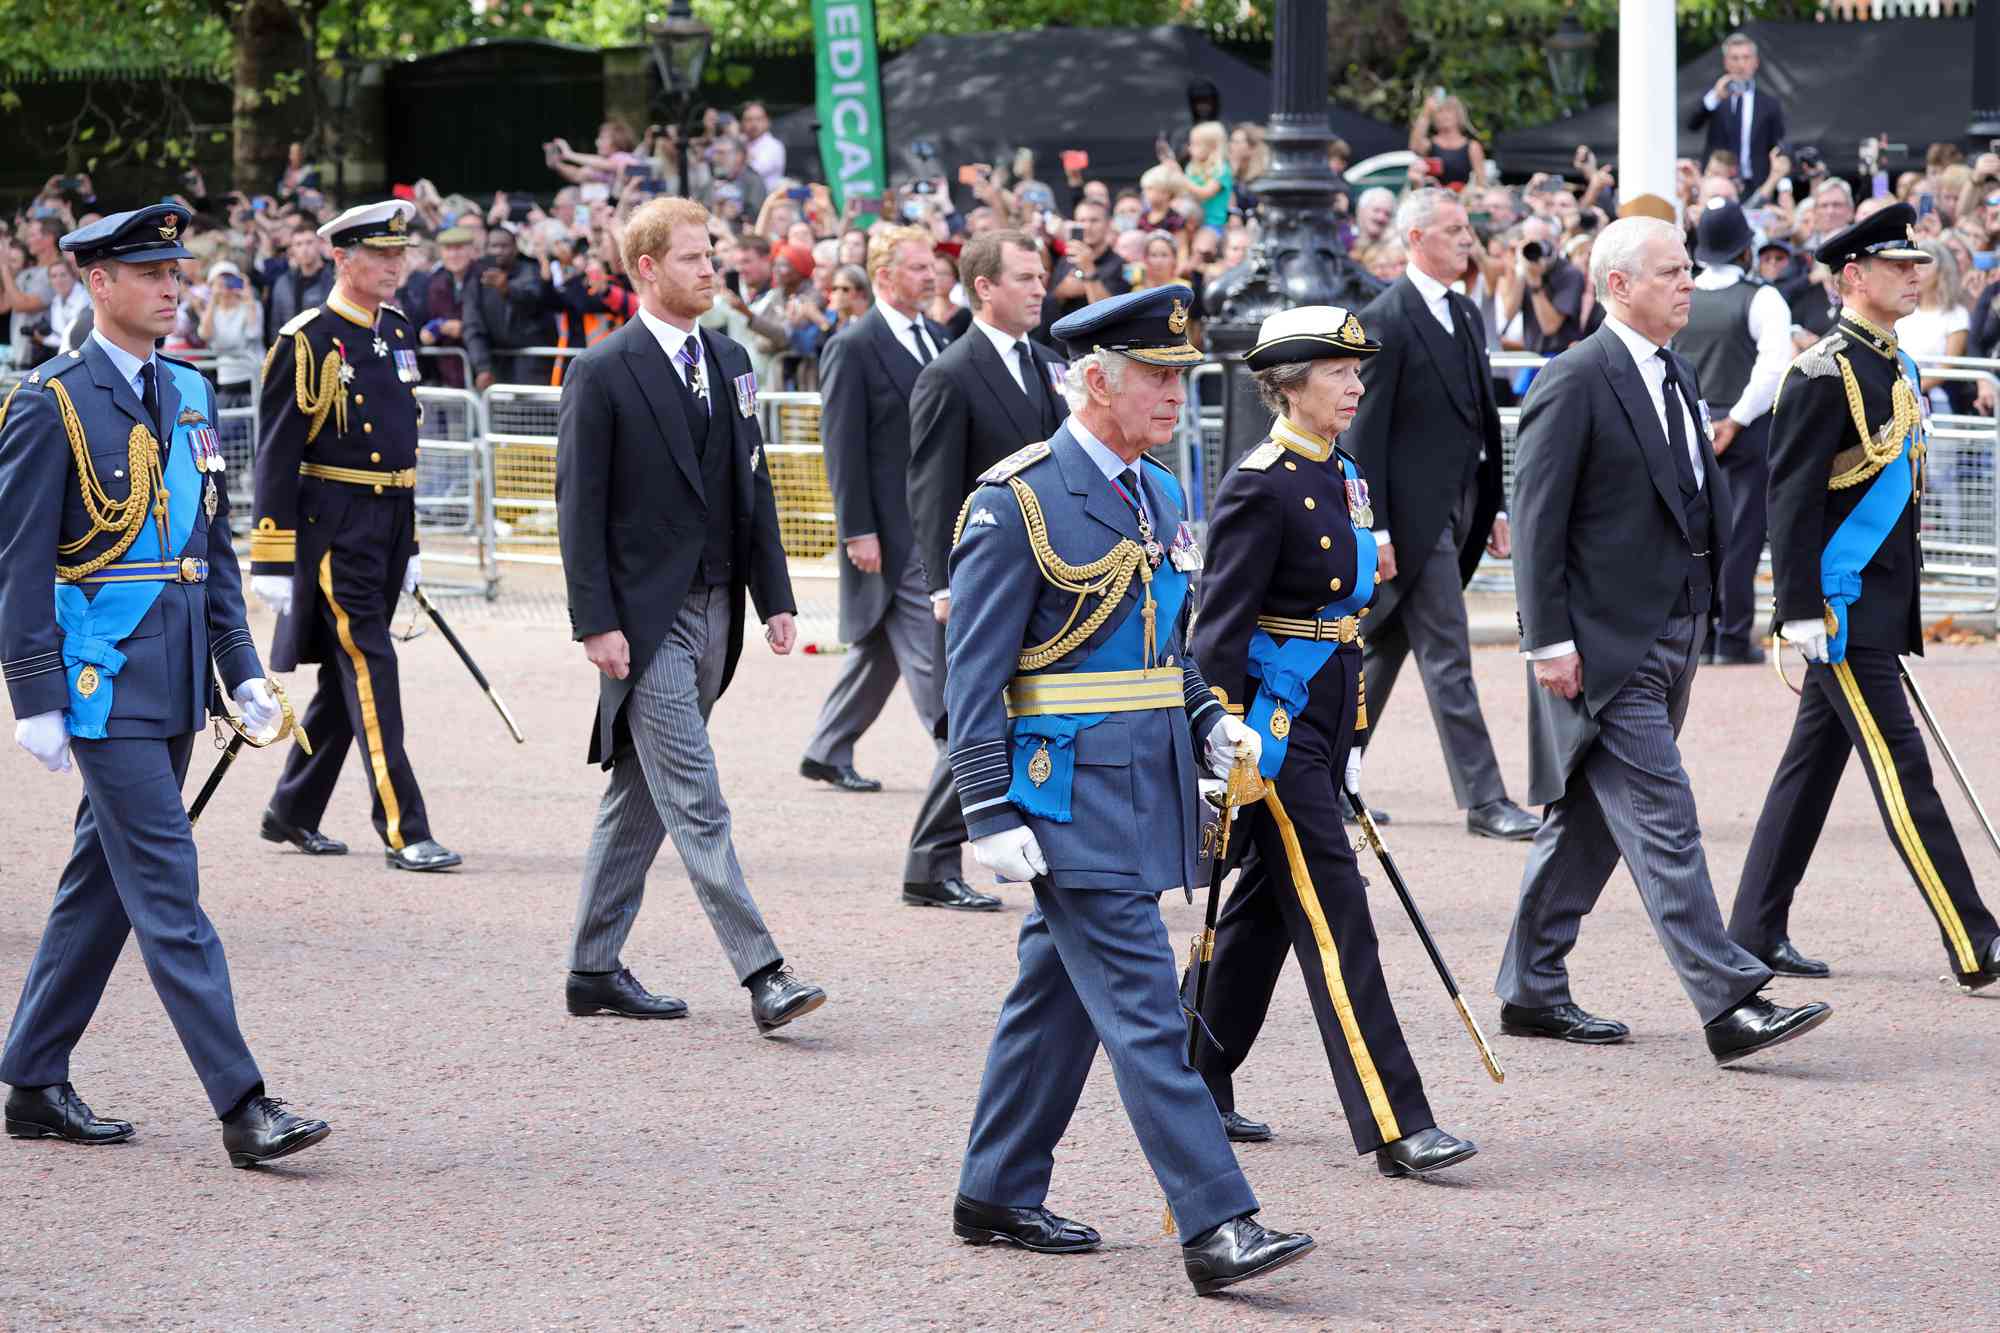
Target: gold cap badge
[169,229]
[1177,318]
[1350,332]
[398,224]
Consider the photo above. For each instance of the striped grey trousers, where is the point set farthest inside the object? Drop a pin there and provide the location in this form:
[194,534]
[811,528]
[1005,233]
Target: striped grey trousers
[1630,798]
[667,786]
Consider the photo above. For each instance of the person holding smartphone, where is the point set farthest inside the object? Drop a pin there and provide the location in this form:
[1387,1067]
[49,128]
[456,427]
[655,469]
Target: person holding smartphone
[232,327]
[1091,270]
[1740,116]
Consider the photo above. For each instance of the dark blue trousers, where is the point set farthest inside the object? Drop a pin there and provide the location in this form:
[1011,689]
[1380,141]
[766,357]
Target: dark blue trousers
[1096,966]
[133,870]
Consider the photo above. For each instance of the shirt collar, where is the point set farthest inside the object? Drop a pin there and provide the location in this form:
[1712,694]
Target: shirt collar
[669,337]
[350,312]
[125,363]
[900,324]
[1427,287]
[1099,453]
[1003,342]
[1715,277]
[1642,348]
[1300,440]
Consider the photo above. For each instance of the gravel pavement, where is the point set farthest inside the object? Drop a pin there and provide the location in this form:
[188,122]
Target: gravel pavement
[496,1164]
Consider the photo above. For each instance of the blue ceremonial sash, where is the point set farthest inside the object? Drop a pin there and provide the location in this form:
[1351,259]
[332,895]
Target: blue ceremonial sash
[1122,650]
[1867,526]
[92,627]
[1285,670]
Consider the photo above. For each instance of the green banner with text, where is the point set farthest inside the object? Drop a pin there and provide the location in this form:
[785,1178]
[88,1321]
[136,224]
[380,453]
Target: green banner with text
[849,101]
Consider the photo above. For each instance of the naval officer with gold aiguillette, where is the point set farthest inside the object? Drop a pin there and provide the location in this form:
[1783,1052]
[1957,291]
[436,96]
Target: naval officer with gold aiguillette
[335,538]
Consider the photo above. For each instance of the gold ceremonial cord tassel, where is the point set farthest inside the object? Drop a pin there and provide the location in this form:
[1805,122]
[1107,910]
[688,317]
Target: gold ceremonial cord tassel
[1107,578]
[123,517]
[1879,448]
[331,395]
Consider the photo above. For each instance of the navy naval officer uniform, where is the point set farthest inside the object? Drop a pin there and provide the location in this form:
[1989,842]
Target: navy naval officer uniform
[1102,768]
[124,650]
[336,513]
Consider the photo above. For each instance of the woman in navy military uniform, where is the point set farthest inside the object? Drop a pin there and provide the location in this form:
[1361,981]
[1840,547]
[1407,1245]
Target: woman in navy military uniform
[1291,571]
[336,535]
[111,477]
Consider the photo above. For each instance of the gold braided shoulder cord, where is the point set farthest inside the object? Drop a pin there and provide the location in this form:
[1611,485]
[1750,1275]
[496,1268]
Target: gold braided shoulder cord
[330,395]
[9,402]
[1107,578]
[124,517]
[1880,448]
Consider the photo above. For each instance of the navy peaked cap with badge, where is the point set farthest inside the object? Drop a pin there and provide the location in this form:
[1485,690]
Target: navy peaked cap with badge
[1309,333]
[1149,326]
[142,236]
[1889,233]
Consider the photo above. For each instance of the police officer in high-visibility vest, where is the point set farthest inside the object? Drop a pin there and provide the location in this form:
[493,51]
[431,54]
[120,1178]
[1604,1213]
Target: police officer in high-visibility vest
[1291,573]
[335,539]
[1076,723]
[111,477]
[1849,441]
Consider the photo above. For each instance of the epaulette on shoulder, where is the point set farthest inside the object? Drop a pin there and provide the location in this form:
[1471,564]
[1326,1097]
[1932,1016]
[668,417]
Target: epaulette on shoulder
[397,311]
[50,371]
[1818,360]
[1261,458]
[1015,463]
[299,321]
[177,360]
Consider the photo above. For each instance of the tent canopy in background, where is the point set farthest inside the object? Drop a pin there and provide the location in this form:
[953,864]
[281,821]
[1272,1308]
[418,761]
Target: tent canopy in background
[1839,83]
[1107,91]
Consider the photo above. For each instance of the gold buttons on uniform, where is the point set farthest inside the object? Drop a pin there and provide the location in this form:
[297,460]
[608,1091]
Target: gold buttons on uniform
[1310,503]
[359,399]
[1334,584]
[1290,466]
[1326,543]
[378,490]
[367,428]
[374,458]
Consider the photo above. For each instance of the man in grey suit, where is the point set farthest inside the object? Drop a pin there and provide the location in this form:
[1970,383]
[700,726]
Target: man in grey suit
[1427,437]
[867,376]
[667,519]
[1620,535]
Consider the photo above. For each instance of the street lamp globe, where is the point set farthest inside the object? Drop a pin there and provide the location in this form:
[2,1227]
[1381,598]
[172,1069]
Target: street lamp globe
[681,44]
[1569,51]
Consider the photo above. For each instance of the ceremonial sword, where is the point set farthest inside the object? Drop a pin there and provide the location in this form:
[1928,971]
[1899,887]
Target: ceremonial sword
[287,726]
[1944,748]
[444,628]
[1374,836]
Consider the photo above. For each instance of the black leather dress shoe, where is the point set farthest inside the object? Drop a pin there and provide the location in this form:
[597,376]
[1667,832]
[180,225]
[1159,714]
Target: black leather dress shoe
[56,1112]
[1565,1022]
[308,840]
[1421,1153]
[1242,1129]
[618,993]
[842,776]
[426,855]
[262,1130]
[1750,655]
[1785,960]
[1501,819]
[951,892]
[777,997]
[1238,1250]
[1988,973]
[1757,1024]
[1035,1229]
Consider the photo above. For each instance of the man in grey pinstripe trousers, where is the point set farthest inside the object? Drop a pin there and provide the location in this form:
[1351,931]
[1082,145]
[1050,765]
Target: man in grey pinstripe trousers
[1615,558]
[667,520]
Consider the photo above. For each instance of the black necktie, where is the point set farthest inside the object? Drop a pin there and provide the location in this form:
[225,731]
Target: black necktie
[1469,348]
[149,394]
[917,341]
[1677,440]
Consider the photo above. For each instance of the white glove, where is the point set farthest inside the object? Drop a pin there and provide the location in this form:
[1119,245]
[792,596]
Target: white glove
[1354,770]
[1222,742]
[274,591]
[1011,854]
[1808,636]
[258,706]
[413,573]
[46,736]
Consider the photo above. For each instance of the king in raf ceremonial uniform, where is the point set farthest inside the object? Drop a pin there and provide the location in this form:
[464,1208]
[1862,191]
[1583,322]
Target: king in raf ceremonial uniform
[1075,717]
[111,477]
[1291,571]
[1848,442]
[336,534]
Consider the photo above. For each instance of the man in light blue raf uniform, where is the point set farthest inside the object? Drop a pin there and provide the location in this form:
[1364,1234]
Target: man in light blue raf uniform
[132,537]
[1075,717]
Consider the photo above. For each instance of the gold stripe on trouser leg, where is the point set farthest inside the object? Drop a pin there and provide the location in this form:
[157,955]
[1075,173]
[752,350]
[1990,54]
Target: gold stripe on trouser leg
[371,725]
[1329,965]
[1884,763]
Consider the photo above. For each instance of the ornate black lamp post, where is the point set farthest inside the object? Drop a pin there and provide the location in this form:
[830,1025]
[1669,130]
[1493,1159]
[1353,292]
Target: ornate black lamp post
[681,44]
[1569,51]
[1297,259]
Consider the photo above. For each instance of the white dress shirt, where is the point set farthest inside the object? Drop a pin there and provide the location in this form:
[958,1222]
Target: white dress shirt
[1005,343]
[1435,295]
[1654,372]
[670,340]
[900,324]
[1748,110]
[127,365]
[1770,329]
[1111,465]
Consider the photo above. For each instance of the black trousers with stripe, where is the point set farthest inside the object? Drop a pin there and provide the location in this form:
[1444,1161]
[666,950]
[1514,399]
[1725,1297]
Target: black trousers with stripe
[360,699]
[1301,890]
[1858,705]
